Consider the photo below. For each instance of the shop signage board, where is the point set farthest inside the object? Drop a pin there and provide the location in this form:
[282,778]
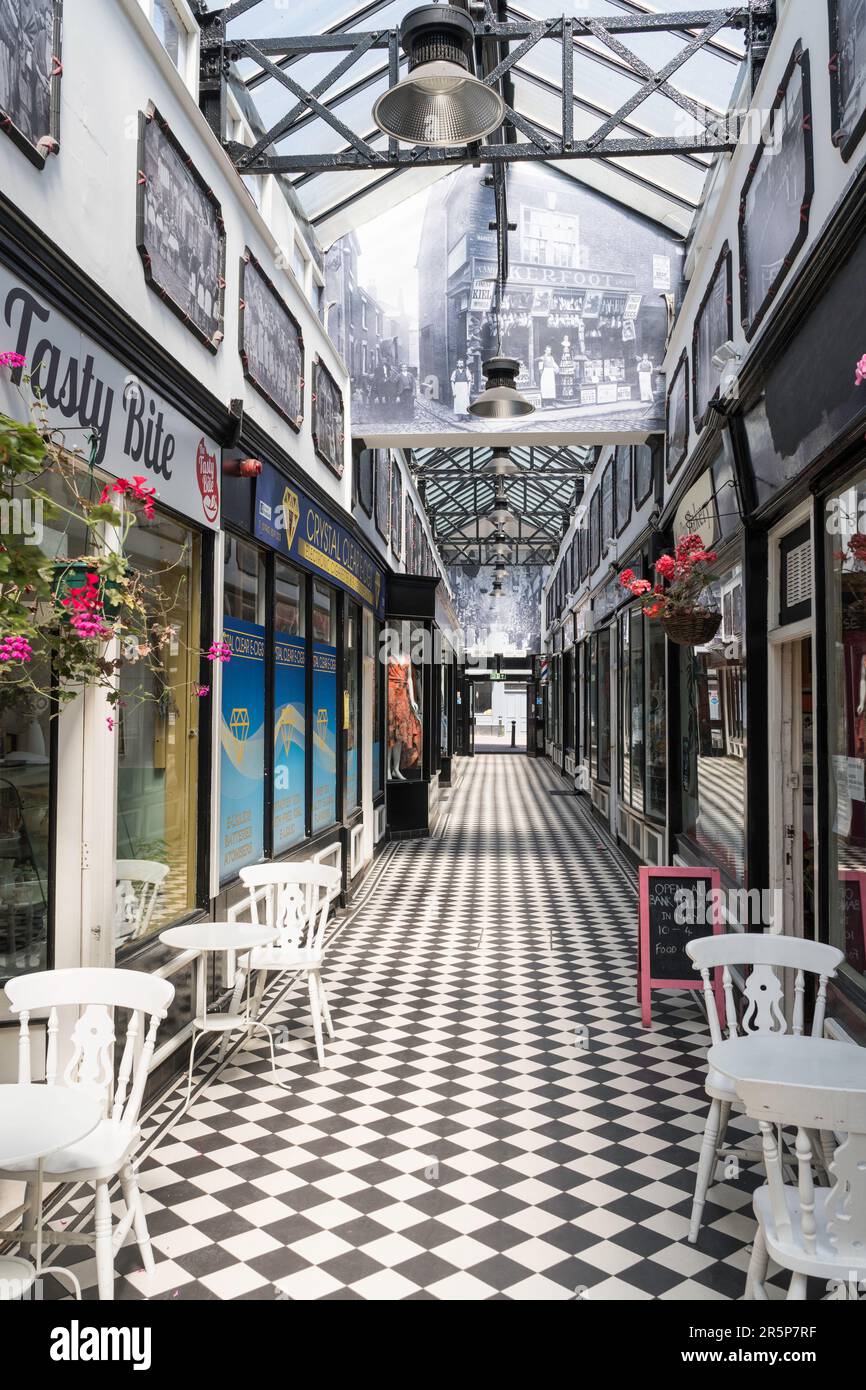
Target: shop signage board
[242,747]
[676,906]
[87,393]
[288,521]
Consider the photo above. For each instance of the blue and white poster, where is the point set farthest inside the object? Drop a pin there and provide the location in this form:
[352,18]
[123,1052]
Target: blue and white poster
[290,660]
[324,735]
[242,747]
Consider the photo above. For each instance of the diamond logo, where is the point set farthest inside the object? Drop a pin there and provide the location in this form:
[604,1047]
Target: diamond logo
[291,515]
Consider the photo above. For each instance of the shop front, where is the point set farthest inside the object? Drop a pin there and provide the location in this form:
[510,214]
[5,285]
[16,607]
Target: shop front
[301,601]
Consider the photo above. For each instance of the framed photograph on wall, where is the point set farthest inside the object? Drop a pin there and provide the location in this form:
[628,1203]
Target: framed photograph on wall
[848,73]
[396,511]
[270,342]
[714,326]
[365,483]
[677,427]
[180,235]
[777,195]
[328,421]
[383,491]
[30,73]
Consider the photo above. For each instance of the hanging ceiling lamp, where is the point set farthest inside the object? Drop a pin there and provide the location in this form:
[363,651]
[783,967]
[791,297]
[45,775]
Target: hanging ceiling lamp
[500,463]
[441,102]
[501,511]
[499,546]
[501,400]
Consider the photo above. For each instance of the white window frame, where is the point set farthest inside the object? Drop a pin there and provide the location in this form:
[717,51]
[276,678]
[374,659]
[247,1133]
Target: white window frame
[187,21]
[240,129]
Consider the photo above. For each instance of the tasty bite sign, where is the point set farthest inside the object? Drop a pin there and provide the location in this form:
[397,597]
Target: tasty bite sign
[290,522]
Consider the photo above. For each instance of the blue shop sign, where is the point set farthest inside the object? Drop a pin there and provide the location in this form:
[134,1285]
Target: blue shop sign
[298,528]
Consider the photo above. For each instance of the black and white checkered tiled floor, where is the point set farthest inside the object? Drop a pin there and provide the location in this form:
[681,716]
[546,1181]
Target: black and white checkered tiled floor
[493,1121]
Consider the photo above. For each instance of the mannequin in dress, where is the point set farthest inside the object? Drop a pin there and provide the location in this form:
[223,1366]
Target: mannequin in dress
[404,718]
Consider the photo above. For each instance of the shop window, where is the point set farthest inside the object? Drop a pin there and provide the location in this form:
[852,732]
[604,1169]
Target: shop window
[378,708]
[364,463]
[405,706]
[324,712]
[351,708]
[157,751]
[643,473]
[608,485]
[656,721]
[713,732]
[242,733]
[845,550]
[604,705]
[642,760]
[568,700]
[623,487]
[27,767]
[290,707]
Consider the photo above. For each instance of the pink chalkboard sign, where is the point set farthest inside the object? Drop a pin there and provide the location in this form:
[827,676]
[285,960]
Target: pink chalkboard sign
[853,894]
[668,924]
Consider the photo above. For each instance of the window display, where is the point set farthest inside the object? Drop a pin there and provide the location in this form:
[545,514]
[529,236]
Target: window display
[405,733]
[351,712]
[157,755]
[242,727]
[378,740]
[324,706]
[713,732]
[846,731]
[290,707]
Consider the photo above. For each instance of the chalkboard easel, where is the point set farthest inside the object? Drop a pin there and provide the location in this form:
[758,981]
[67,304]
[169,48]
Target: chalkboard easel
[663,938]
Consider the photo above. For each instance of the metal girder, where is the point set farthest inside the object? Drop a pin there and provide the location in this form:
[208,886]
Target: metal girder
[516,39]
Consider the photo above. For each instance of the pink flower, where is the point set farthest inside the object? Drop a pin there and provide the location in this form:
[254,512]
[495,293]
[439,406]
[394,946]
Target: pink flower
[15,648]
[640,586]
[859,372]
[109,723]
[201,691]
[666,566]
[627,577]
[12,359]
[218,651]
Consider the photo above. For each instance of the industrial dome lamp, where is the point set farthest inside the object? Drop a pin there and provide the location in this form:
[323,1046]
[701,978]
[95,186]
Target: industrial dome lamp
[500,463]
[441,102]
[501,400]
[501,511]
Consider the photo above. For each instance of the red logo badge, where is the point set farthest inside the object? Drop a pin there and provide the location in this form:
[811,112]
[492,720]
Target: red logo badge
[206,473]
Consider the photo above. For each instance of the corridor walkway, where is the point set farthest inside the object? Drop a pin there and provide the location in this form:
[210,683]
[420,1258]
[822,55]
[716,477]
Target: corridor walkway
[493,1121]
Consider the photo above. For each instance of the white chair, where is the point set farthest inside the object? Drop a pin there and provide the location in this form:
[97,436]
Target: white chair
[298,899]
[137,886]
[818,1231]
[109,1151]
[767,957]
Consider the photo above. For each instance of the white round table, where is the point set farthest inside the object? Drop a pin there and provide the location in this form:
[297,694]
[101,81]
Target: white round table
[797,1061]
[36,1121]
[205,937]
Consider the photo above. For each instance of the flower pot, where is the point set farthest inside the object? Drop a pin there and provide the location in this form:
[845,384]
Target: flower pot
[692,629]
[73,575]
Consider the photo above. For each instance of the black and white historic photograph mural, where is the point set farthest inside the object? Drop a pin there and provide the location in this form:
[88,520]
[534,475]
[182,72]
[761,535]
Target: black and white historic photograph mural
[328,422]
[848,72]
[777,195]
[584,310]
[181,237]
[30,73]
[508,623]
[383,491]
[677,421]
[714,326]
[271,343]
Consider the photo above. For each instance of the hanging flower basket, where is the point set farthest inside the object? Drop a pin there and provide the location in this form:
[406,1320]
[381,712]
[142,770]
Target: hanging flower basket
[73,576]
[693,629]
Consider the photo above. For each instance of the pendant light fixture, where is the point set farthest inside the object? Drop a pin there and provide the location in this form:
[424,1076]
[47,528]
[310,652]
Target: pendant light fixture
[441,102]
[501,400]
[500,463]
[501,511]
